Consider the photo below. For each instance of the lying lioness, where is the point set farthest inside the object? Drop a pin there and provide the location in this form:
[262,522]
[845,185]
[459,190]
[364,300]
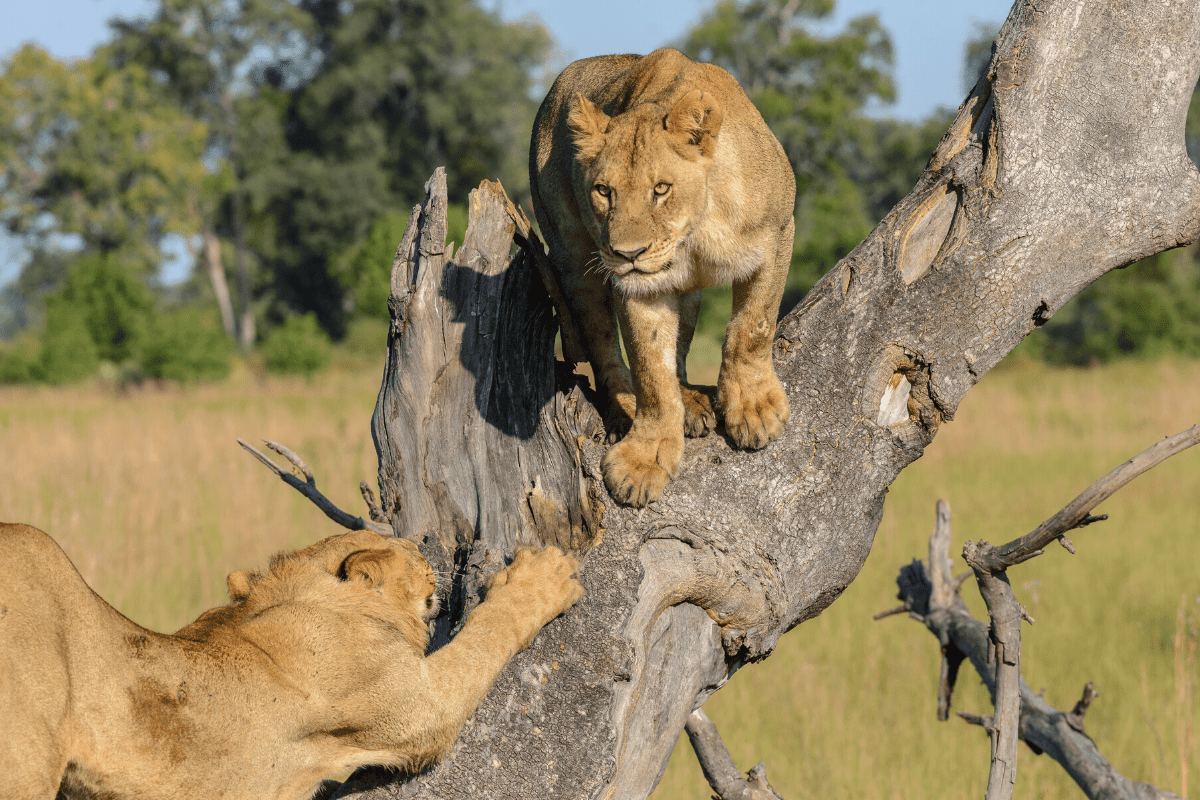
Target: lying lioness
[316,667]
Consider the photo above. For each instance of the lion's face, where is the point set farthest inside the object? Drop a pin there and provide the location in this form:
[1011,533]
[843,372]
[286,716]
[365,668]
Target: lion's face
[645,173]
[382,569]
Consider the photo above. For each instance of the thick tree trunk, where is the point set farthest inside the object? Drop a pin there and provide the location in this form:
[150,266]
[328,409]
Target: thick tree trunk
[1066,161]
[216,275]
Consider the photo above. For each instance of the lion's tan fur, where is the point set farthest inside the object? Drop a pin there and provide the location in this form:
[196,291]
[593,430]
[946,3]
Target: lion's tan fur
[316,667]
[653,178]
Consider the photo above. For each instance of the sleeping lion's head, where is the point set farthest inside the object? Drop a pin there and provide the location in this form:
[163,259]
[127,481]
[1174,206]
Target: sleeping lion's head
[645,173]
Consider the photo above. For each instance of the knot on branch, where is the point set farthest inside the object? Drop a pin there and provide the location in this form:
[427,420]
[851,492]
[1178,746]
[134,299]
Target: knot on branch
[729,584]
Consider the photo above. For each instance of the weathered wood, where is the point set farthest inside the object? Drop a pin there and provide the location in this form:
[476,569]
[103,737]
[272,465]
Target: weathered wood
[932,597]
[1066,161]
[719,768]
[990,566]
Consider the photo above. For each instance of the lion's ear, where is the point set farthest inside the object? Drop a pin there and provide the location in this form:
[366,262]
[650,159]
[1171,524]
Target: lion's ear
[239,584]
[371,567]
[694,123]
[588,124]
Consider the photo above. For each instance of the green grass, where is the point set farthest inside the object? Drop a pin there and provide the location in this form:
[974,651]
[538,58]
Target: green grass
[152,498]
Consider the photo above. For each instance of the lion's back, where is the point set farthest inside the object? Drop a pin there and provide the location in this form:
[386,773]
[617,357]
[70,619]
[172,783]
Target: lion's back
[36,586]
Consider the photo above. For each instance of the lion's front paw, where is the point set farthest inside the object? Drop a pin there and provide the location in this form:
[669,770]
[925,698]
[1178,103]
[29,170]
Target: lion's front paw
[543,582]
[637,469]
[754,411]
[698,415]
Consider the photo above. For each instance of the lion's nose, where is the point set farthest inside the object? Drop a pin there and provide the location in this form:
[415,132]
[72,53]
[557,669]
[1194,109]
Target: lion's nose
[631,255]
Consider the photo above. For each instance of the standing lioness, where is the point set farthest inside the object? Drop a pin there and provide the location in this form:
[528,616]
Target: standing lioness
[316,667]
[654,177]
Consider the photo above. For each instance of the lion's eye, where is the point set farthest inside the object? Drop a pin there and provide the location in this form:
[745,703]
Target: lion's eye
[602,190]
[661,189]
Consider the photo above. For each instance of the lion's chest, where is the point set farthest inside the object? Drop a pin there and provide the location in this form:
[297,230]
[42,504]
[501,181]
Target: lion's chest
[718,254]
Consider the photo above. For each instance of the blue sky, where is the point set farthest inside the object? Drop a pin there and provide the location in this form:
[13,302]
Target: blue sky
[927,36]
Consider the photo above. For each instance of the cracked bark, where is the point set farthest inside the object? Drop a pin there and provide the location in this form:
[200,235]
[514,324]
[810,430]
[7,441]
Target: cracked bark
[1066,161]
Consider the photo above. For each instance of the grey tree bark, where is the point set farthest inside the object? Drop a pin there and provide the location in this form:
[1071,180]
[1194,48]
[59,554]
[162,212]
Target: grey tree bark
[1066,161]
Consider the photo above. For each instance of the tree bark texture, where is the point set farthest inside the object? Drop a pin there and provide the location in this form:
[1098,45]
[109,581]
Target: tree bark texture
[1066,161]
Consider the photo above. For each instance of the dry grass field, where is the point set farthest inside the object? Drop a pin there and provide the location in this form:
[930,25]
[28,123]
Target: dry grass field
[152,498]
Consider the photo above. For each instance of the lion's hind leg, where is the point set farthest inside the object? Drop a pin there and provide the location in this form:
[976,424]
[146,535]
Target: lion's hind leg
[698,415]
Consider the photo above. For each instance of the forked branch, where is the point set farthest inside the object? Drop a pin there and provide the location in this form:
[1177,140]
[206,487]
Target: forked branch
[1076,513]
[990,565]
[308,488]
[931,595]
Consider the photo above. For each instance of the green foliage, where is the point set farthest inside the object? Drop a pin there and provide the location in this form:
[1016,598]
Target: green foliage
[69,353]
[364,270]
[112,305]
[297,346]
[19,361]
[105,314]
[1146,309]
[811,90]
[96,152]
[380,94]
[187,345]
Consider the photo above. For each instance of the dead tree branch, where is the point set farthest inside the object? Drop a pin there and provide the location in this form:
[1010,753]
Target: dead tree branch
[990,565]
[308,488]
[719,768]
[932,596]
[1076,513]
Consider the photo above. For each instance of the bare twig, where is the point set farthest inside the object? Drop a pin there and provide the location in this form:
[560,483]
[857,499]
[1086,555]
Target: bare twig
[308,488]
[719,768]
[1075,514]
[1075,718]
[982,720]
[369,498]
[902,609]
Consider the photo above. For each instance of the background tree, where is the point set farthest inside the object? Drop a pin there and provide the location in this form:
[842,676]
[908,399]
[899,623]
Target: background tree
[397,89]
[201,52]
[97,155]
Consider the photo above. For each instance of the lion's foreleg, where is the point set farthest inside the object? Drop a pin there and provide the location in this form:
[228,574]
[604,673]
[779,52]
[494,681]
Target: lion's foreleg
[537,587]
[637,469]
[749,395]
[593,306]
